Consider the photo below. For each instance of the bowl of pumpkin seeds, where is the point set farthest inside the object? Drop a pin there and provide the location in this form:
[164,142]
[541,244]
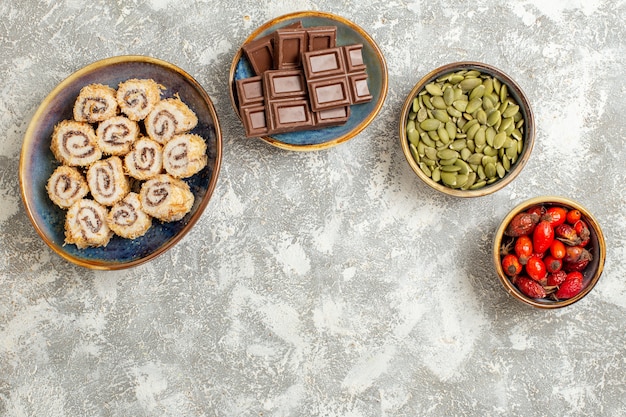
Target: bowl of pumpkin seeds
[467,129]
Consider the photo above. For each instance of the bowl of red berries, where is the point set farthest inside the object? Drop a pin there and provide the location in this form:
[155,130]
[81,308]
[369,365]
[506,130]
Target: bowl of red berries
[549,252]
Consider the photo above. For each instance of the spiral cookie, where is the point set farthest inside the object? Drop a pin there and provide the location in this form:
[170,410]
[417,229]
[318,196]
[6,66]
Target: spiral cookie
[137,98]
[116,135]
[75,143]
[127,219]
[86,225]
[145,160]
[184,155]
[107,181]
[166,198]
[66,186]
[95,103]
[168,118]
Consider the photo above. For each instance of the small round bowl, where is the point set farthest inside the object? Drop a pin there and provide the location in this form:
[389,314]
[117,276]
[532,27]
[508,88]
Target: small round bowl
[514,91]
[37,162]
[591,274]
[361,116]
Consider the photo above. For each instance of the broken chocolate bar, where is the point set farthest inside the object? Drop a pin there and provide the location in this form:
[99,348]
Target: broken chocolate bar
[359,90]
[250,91]
[354,58]
[289,115]
[254,120]
[321,37]
[323,63]
[328,93]
[289,44]
[283,84]
[260,54]
[332,117]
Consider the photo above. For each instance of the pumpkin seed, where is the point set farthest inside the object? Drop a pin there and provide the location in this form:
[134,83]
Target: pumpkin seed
[473,105]
[469,84]
[434,89]
[479,184]
[448,178]
[416,105]
[477,92]
[450,168]
[414,153]
[493,118]
[451,130]
[430,124]
[448,96]
[438,102]
[436,174]
[441,115]
[465,153]
[511,110]
[413,136]
[490,170]
[425,169]
[499,139]
[447,154]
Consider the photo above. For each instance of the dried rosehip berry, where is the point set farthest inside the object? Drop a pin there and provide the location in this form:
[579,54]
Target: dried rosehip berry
[530,288]
[555,216]
[523,248]
[573,253]
[552,264]
[566,234]
[539,210]
[577,259]
[511,265]
[521,224]
[556,278]
[582,230]
[543,235]
[573,216]
[557,249]
[536,269]
[571,287]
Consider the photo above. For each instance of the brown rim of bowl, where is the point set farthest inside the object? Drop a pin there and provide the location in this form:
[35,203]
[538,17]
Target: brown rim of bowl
[517,93]
[343,138]
[97,265]
[597,235]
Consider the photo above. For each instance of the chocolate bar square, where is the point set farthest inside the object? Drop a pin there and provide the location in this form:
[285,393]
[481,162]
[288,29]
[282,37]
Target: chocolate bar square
[289,44]
[254,120]
[354,58]
[289,115]
[332,117]
[284,84]
[321,37]
[323,63]
[359,90]
[260,54]
[250,90]
[328,93]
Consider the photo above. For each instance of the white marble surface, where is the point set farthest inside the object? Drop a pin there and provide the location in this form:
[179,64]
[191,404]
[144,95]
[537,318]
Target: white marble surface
[331,283]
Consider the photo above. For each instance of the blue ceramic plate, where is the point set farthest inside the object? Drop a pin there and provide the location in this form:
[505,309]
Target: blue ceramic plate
[362,115]
[37,162]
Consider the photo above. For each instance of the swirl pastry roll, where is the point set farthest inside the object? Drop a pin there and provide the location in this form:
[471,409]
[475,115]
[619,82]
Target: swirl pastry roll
[184,155]
[145,160]
[95,103]
[75,143]
[86,224]
[107,181]
[116,135]
[137,98]
[127,219]
[166,198]
[168,118]
[66,186]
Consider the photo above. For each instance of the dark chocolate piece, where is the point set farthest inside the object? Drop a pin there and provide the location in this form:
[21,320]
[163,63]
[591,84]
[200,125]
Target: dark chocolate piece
[260,54]
[284,84]
[289,44]
[332,117]
[254,120]
[359,90]
[289,115]
[323,63]
[321,37]
[328,93]
[250,91]
[354,58]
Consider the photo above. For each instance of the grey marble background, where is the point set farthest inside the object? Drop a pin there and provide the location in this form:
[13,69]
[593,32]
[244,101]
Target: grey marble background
[331,283]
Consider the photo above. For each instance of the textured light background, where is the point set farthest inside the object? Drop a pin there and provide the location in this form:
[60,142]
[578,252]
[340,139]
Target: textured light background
[331,283]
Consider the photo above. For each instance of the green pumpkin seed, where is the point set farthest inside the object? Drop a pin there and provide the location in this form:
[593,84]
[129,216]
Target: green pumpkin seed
[410,125]
[472,73]
[448,178]
[477,92]
[511,153]
[451,129]
[425,169]
[465,153]
[496,85]
[469,84]
[511,110]
[412,115]
[416,105]
[468,125]
[438,102]
[427,140]
[450,168]
[475,159]
[488,103]
[454,112]
[434,89]
[471,132]
[478,185]
[460,105]
[458,144]
[481,116]
[447,154]
[490,170]
[493,118]
[430,153]
[488,83]
[507,124]
[516,134]
[448,96]
[446,162]
[473,105]
[499,139]
[500,169]
[461,180]
[489,151]
[413,136]
[436,174]
[481,172]
[471,145]
[430,124]
[414,153]
[431,163]
[427,103]
[421,148]
[456,78]
[441,115]
[504,93]
[506,163]
[465,168]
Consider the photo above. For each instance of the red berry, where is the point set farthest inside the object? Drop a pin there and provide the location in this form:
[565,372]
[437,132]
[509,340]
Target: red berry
[539,210]
[536,269]
[556,278]
[566,234]
[523,248]
[555,216]
[573,216]
[511,265]
[552,264]
[582,230]
[543,235]
[521,224]
[557,249]
[530,288]
[571,287]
